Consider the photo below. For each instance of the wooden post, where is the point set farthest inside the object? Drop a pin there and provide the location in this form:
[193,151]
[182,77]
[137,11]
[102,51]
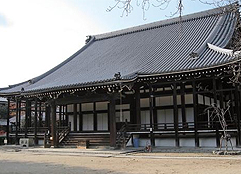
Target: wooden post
[35,122]
[66,116]
[237,110]
[40,116]
[27,115]
[112,115]
[54,127]
[80,118]
[195,108]
[151,116]
[138,105]
[19,115]
[8,117]
[184,121]
[75,117]
[95,117]
[216,102]
[175,109]
[16,123]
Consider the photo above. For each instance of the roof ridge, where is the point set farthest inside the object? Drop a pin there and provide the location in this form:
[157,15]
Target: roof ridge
[153,25]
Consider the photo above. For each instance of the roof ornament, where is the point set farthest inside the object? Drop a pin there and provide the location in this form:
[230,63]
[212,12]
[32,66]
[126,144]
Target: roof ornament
[224,51]
[117,76]
[193,55]
[87,39]
[22,89]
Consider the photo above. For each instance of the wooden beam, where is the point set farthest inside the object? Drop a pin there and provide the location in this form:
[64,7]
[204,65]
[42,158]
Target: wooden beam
[151,115]
[95,117]
[85,99]
[175,109]
[27,115]
[112,124]
[19,114]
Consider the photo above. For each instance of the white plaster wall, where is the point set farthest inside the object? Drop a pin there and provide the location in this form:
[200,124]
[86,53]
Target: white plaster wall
[71,120]
[188,99]
[164,101]
[144,102]
[102,106]
[165,116]
[123,106]
[165,142]
[88,122]
[70,108]
[145,117]
[187,142]
[41,142]
[102,121]
[87,106]
[200,99]
[207,101]
[190,116]
[143,142]
[207,142]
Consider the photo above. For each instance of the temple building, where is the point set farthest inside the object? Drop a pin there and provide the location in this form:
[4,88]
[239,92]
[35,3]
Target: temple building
[150,83]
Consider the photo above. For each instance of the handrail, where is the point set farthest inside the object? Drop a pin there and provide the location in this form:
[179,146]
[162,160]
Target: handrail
[62,133]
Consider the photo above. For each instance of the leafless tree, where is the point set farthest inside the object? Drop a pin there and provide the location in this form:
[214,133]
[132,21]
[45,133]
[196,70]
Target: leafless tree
[219,114]
[127,6]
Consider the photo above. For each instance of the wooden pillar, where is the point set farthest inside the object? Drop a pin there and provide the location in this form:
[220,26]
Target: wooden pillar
[151,116]
[47,117]
[195,108]
[237,110]
[16,122]
[19,114]
[80,118]
[60,116]
[66,116]
[35,122]
[27,115]
[75,117]
[53,127]
[138,105]
[184,120]
[175,109]
[8,117]
[40,115]
[95,117]
[112,117]
[216,102]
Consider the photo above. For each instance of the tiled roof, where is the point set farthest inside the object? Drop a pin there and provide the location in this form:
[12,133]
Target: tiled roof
[156,48]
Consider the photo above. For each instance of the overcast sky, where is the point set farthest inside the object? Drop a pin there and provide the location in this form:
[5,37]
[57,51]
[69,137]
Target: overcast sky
[36,35]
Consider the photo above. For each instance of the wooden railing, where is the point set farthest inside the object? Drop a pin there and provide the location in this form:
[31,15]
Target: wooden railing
[62,133]
[187,126]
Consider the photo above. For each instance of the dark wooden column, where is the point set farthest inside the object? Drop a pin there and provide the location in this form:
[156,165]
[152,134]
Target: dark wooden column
[16,123]
[112,117]
[151,115]
[60,116]
[216,102]
[53,127]
[47,117]
[184,120]
[35,122]
[8,117]
[75,117]
[19,114]
[237,110]
[40,115]
[66,116]
[27,115]
[138,105]
[175,109]
[80,118]
[95,117]
[195,109]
